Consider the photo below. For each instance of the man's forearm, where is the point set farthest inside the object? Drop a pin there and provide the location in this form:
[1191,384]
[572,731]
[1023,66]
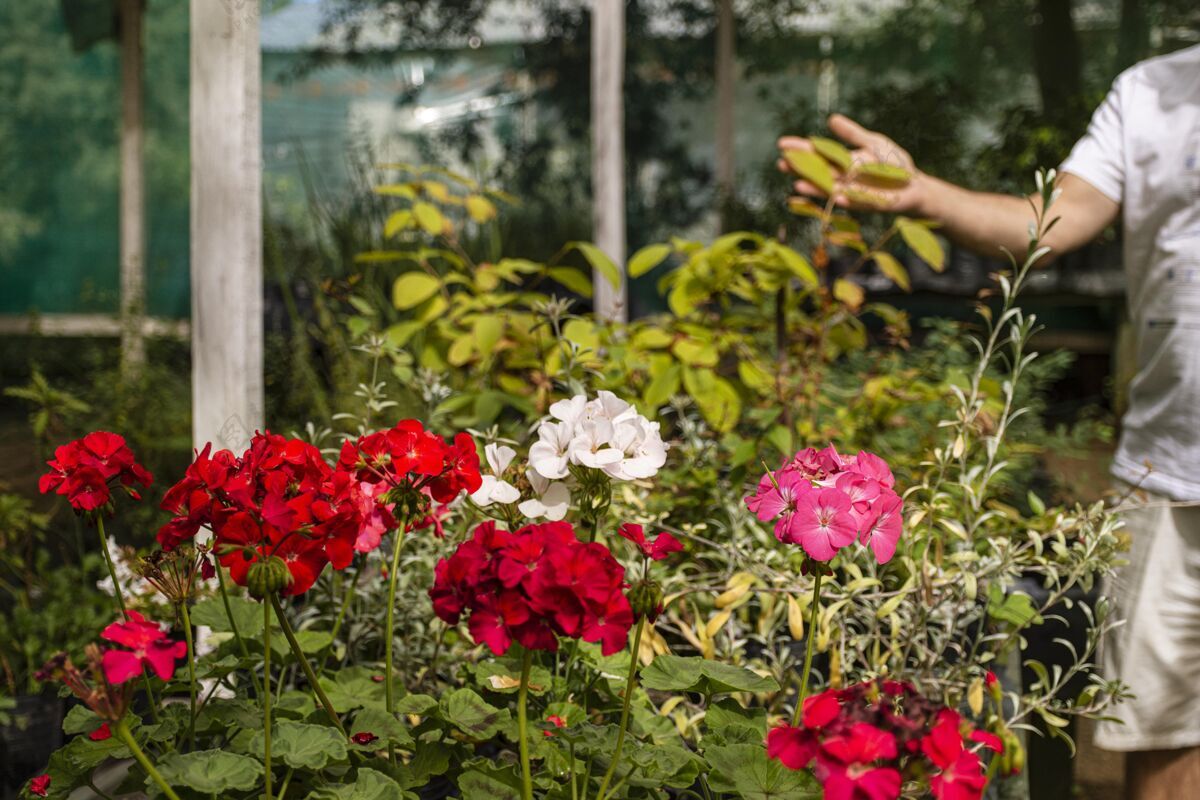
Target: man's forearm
[984,222]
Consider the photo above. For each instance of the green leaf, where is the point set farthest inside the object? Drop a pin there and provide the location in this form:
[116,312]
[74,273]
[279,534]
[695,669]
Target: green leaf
[918,237]
[396,222]
[573,280]
[599,262]
[356,687]
[719,402]
[413,288]
[663,386]
[695,353]
[884,175]
[745,770]
[796,264]
[833,152]
[81,719]
[428,217]
[379,722]
[303,745]
[647,259]
[734,724]
[812,168]
[755,378]
[368,784]
[480,208]
[487,331]
[478,785]
[473,715]
[211,772]
[247,614]
[1015,608]
[670,673]
[419,704]
[848,292]
[893,269]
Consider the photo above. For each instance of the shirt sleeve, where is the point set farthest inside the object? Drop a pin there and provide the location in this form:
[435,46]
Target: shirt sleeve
[1099,157]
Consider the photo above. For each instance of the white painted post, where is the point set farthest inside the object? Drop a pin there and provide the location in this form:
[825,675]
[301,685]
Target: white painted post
[725,80]
[133,191]
[608,150]
[226,210]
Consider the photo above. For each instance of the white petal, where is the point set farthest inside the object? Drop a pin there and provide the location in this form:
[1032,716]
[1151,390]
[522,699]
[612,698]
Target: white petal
[483,495]
[499,456]
[505,493]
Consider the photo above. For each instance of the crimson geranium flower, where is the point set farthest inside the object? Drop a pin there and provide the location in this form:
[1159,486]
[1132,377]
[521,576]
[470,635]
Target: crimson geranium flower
[148,646]
[663,545]
[865,738]
[533,586]
[39,785]
[85,470]
[823,501]
[101,733]
[363,738]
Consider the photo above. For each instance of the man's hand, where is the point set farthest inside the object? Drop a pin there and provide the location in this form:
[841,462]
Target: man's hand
[866,147]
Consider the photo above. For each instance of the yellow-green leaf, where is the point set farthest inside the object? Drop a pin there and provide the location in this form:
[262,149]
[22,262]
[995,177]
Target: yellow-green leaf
[811,167]
[428,217]
[572,279]
[663,387]
[461,350]
[918,237]
[804,207]
[893,269]
[398,221]
[848,292]
[647,259]
[796,264]
[480,208]
[487,331]
[599,262]
[884,175]
[695,353]
[413,288]
[832,151]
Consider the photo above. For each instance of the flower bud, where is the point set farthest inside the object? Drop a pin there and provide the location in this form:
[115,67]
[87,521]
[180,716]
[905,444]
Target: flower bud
[269,577]
[646,599]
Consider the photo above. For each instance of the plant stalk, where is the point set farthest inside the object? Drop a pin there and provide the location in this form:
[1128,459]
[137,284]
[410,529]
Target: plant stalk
[124,734]
[630,682]
[390,631]
[191,662]
[308,670]
[267,697]
[237,635]
[808,655]
[523,726]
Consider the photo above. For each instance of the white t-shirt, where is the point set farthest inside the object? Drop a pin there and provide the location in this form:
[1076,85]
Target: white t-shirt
[1142,149]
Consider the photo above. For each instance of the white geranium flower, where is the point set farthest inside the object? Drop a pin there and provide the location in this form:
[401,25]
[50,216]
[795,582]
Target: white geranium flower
[494,489]
[643,451]
[592,445]
[549,455]
[552,500]
[569,411]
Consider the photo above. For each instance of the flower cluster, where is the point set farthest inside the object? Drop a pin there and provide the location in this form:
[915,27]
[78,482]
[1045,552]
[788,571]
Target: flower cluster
[823,501]
[85,471]
[532,586]
[868,739]
[281,500]
[91,685]
[604,438]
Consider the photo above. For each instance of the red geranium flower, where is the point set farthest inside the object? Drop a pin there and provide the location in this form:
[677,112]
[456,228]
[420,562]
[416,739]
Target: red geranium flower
[533,586]
[101,733]
[85,470]
[148,645]
[663,545]
[39,785]
[364,738]
[961,776]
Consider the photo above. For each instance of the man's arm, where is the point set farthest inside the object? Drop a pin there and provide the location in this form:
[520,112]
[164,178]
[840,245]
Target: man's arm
[987,223]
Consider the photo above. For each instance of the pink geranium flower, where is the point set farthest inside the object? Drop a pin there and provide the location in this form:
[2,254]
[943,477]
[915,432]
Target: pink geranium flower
[881,532]
[148,646]
[822,524]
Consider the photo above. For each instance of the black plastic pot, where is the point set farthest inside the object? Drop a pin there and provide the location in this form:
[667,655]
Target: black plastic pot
[26,744]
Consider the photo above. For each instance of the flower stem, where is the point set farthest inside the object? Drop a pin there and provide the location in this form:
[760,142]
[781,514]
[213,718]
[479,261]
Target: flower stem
[808,655]
[126,736]
[112,573]
[267,697]
[523,726]
[308,670]
[390,630]
[630,681]
[237,635]
[191,662]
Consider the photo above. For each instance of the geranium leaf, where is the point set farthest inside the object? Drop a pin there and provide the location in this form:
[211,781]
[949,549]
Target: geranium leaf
[694,674]
[382,724]
[302,745]
[211,772]
[369,784]
[745,770]
[473,715]
[247,615]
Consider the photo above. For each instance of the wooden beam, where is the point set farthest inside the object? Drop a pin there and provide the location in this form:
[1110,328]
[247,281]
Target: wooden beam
[133,189]
[726,71]
[90,325]
[608,150]
[226,227]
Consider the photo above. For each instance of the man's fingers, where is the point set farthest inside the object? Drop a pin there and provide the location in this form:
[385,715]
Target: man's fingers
[850,131]
[794,143]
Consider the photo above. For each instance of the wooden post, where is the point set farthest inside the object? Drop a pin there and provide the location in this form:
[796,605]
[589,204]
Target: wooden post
[133,189]
[226,210]
[725,78]
[608,150]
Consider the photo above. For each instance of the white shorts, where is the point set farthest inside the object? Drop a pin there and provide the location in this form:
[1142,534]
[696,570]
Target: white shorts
[1156,652]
